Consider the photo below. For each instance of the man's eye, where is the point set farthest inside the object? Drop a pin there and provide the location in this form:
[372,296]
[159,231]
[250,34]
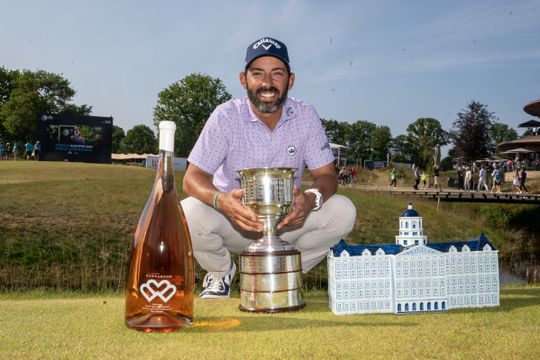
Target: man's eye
[278,74]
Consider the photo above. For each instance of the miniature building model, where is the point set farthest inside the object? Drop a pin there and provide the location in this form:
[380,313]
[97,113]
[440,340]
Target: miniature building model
[412,275]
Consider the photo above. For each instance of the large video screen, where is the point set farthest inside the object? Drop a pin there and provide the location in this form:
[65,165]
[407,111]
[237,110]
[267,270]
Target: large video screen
[66,137]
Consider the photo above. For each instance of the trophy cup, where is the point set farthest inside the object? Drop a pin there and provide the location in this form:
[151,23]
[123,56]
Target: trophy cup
[270,268]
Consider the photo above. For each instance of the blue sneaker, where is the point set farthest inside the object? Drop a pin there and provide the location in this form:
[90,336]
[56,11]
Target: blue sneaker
[218,287]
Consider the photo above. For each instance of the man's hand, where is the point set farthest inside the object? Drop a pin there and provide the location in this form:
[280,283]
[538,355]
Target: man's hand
[230,203]
[303,203]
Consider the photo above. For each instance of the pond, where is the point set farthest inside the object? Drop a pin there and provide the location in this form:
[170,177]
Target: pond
[519,273]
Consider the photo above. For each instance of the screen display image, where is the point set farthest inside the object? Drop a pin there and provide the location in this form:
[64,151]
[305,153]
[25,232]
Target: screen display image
[75,138]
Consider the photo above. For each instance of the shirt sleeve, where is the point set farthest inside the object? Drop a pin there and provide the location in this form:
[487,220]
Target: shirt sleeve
[318,152]
[212,145]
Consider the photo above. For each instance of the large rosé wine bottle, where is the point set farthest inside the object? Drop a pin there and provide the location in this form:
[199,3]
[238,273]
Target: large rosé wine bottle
[161,278]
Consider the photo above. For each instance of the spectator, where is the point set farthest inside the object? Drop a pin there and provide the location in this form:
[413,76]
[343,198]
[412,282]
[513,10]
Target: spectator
[416,177]
[2,151]
[468,179]
[15,151]
[436,178]
[423,178]
[496,175]
[516,184]
[482,179]
[393,180]
[28,150]
[522,179]
[460,177]
[37,150]
[8,151]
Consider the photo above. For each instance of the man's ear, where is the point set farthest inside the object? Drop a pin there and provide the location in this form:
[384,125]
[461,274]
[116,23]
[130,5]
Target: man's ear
[291,80]
[243,80]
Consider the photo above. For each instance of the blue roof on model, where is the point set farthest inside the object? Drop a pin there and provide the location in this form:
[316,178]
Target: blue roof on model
[390,249]
[474,245]
[410,212]
[355,250]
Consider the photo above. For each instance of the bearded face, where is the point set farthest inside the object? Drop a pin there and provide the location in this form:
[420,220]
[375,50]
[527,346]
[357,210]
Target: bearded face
[267,99]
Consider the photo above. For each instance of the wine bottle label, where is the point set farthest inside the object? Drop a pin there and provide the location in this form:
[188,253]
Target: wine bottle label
[153,289]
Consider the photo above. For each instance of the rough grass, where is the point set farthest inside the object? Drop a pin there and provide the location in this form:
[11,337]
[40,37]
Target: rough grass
[69,225]
[75,327]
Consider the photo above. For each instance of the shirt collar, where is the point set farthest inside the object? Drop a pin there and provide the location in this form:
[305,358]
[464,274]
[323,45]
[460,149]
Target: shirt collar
[287,114]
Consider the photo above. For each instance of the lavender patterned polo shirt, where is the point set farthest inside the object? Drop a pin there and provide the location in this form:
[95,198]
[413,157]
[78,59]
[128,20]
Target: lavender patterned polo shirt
[234,138]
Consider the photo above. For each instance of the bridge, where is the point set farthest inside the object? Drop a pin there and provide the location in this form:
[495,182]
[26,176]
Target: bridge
[458,195]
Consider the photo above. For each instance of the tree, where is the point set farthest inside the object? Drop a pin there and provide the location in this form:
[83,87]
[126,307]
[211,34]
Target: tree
[401,150]
[31,93]
[381,140]
[422,137]
[118,136]
[189,102]
[336,131]
[360,144]
[7,83]
[140,139]
[471,134]
[500,133]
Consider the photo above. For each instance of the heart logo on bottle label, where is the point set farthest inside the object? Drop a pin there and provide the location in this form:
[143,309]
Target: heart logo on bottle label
[163,289]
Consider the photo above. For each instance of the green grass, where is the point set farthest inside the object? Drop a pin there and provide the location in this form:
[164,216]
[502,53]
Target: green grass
[93,328]
[68,226]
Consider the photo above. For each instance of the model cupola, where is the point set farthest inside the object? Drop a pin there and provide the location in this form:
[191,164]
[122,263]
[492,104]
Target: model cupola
[411,231]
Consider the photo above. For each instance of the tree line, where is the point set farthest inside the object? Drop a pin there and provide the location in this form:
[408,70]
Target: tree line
[189,102]
[474,135]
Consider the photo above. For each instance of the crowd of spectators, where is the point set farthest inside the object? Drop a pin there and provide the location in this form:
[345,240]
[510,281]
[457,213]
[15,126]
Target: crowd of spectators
[475,176]
[346,176]
[13,151]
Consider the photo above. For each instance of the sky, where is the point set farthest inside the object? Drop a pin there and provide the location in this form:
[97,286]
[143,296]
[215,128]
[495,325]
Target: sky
[387,62]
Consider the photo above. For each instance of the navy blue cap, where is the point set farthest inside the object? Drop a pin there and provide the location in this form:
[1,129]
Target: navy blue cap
[267,46]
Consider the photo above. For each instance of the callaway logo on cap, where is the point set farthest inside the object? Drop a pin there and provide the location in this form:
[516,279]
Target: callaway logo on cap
[267,47]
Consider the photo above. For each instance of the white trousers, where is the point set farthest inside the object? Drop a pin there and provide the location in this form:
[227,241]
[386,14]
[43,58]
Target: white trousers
[213,236]
[482,184]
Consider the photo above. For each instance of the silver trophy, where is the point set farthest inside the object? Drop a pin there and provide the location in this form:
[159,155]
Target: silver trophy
[270,268]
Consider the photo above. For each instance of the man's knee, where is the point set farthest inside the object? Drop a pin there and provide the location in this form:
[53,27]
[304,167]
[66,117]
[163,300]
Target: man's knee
[344,212]
[199,217]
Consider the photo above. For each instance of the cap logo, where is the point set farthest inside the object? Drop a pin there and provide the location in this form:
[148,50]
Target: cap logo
[264,41]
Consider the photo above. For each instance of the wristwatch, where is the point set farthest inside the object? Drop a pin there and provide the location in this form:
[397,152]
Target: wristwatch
[318,198]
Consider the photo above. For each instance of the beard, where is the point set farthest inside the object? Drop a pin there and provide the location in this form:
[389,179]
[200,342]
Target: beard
[267,107]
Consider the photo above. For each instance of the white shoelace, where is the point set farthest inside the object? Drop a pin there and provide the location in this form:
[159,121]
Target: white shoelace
[213,283]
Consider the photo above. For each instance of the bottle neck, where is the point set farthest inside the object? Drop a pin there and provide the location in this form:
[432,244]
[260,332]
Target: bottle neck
[166,169]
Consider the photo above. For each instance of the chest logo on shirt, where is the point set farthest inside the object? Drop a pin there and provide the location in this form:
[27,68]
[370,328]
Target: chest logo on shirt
[291,150]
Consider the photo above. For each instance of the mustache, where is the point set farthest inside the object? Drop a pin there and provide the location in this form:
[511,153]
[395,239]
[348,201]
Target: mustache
[272,89]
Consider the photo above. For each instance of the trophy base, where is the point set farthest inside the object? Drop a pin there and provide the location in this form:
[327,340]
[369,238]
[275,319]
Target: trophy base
[271,281]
